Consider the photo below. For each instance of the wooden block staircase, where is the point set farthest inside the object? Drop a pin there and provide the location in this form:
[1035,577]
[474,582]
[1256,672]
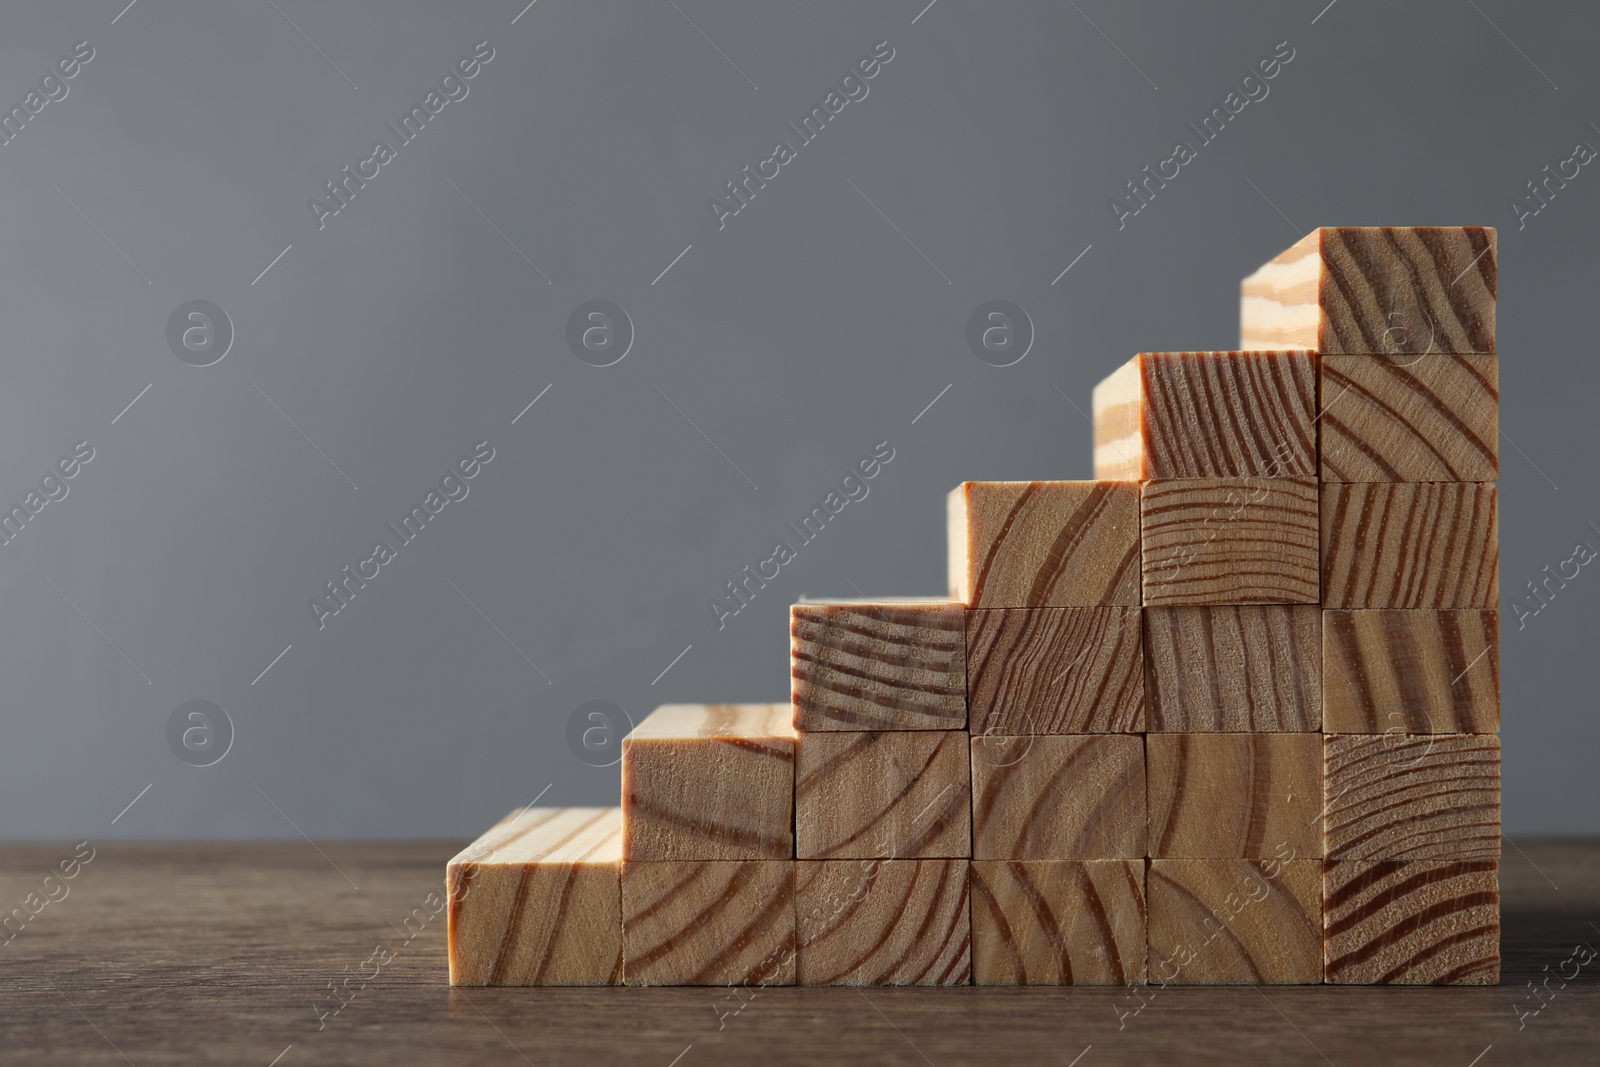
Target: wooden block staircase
[1226,714]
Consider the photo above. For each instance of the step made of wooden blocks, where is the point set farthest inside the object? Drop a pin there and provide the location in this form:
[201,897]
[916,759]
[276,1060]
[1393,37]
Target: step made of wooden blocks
[1418,418]
[1058,798]
[878,665]
[1377,290]
[1235,796]
[883,794]
[534,901]
[1404,545]
[1058,922]
[1241,668]
[1055,670]
[1396,923]
[1229,541]
[1207,415]
[711,922]
[1413,672]
[1044,544]
[710,781]
[1395,797]
[883,922]
[1215,922]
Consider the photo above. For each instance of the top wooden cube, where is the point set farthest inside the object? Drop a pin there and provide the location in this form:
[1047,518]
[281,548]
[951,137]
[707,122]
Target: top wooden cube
[1376,291]
[1207,415]
[709,782]
[1044,544]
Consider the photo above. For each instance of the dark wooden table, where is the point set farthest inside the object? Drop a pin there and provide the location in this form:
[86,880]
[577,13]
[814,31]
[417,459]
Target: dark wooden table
[164,954]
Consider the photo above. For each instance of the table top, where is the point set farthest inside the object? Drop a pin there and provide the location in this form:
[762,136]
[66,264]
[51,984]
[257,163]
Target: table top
[224,953]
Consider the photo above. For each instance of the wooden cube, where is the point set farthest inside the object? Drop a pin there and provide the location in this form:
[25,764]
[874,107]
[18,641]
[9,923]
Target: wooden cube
[1391,545]
[1044,544]
[1215,922]
[1229,541]
[1397,797]
[1415,418]
[1413,672]
[1240,668]
[1234,796]
[883,922]
[1207,415]
[1058,922]
[708,922]
[534,901]
[883,794]
[1076,797]
[878,665]
[709,781]
[1055,671]
[1388,922]
[1376,290]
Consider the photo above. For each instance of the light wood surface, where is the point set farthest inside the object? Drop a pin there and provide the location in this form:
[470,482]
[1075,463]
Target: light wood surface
[1389,545]
[534,901]
[1058,923]
[1414,672]
[1058,797]
[710,781]
[1055,670]
[1238,668]
[1417,418]
[1416,923]
[711,922]
[878,665]
[883,922]
[1396,797]
[883,794]
[180,954]
[1207,415]
[1234,796]
[1376,290]
[1221,921]
[1044,544]
[1209,541]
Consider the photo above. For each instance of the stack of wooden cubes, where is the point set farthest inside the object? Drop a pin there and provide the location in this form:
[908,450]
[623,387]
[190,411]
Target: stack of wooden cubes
[1403,321]
[1225,714]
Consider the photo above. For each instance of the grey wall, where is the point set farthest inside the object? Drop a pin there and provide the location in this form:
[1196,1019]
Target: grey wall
[773,354]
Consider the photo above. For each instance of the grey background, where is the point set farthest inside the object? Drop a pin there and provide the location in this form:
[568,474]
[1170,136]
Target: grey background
[796,338]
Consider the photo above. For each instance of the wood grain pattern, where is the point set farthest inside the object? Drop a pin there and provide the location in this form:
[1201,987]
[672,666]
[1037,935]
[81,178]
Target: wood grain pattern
[184,953]
[1237,668]
[1414,672]
[1058,923]
[1207,415]
[709,781]
[1234,796]
[882,794]
[1394,797]
[534,901]
[878,665]
[1044,544]
[883,922]
[1388,922]
[1229,541]
[1058,797]
[1418,418]
[1393,545]
[712,922]
[1223,921]
[1376,290]
[1055,670]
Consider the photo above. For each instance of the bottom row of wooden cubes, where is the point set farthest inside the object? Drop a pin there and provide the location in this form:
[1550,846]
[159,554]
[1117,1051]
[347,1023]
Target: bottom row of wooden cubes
[545,899]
